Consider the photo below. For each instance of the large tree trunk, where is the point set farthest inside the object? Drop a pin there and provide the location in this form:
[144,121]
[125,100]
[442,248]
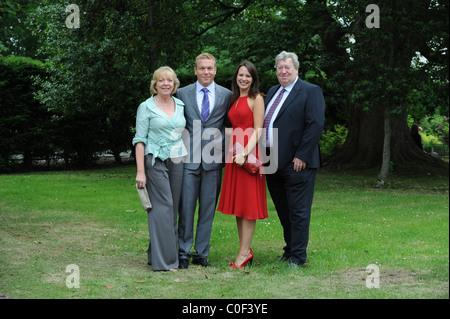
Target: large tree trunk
[152,19]
[363,148]
[407,157]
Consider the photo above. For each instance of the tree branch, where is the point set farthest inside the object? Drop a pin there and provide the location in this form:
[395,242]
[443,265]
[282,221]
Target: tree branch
[221,18]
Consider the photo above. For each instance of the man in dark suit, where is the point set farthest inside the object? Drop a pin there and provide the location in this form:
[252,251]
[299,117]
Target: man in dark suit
[294,120]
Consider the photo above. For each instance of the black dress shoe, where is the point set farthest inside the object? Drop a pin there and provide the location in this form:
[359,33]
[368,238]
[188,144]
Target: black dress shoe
[285,257]
[201,261]
[183,263]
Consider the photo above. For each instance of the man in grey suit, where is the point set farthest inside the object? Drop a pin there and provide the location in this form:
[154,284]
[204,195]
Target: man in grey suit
[206,104]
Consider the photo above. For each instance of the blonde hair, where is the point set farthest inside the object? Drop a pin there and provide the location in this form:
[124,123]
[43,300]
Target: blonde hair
[159,73]
[205,55]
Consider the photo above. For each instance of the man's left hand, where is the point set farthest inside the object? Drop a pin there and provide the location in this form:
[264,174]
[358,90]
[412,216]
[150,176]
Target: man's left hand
[299,165]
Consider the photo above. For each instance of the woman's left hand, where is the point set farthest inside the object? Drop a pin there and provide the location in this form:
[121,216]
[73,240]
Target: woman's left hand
[239,159]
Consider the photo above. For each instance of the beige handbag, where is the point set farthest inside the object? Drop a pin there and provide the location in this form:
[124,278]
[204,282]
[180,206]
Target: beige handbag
[145,200]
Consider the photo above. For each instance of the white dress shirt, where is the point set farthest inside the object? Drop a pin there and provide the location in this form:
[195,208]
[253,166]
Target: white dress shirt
[211,95]
[275,113]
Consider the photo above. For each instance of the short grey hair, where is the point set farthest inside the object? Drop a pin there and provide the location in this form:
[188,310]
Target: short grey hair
[287,55]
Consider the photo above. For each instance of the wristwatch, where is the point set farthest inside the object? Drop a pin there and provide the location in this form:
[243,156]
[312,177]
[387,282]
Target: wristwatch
[243,154]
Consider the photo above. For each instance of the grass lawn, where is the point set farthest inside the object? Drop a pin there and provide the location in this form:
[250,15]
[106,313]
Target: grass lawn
[93,219]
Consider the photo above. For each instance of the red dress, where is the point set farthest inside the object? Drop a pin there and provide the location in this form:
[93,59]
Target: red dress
[243,194]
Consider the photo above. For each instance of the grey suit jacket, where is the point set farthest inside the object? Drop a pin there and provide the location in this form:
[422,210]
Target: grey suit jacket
[206,140]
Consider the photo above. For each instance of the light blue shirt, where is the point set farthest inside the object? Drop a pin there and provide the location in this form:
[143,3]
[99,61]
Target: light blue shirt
[161,134]
[211,95]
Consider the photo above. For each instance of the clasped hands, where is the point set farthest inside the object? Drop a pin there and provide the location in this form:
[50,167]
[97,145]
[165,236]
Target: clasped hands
[239,159]
[299,165]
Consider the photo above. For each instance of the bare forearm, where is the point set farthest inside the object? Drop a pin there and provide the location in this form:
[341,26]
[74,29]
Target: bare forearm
[140,175]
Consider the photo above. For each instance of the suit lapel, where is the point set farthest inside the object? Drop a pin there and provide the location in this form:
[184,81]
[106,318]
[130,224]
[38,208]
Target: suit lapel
[291,97]
[218,102]
[270,96]
[193,100]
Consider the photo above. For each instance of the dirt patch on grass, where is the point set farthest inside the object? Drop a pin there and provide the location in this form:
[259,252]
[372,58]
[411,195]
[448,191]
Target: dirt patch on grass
[25,240]
[386,277]
[401,282]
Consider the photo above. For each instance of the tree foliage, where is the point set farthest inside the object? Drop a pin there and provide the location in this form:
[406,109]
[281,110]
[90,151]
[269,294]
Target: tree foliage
[100,72]
[383,75]
[97,74]
[16,37]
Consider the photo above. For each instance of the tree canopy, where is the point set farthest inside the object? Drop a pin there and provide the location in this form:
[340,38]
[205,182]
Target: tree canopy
[97,74]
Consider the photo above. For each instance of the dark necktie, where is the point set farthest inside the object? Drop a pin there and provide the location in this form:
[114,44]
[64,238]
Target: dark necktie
[205,105]
[272,109]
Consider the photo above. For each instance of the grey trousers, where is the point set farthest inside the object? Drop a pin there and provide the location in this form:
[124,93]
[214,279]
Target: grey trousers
[203,186]
[164,180]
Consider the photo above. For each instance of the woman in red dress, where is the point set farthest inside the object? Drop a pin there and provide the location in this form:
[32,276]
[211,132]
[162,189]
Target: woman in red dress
[244,194]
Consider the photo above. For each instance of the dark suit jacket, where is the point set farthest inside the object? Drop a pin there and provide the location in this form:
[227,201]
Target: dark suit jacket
[300,124]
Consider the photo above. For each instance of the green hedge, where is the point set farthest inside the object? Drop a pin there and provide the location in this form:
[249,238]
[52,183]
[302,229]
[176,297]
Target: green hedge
[23,121]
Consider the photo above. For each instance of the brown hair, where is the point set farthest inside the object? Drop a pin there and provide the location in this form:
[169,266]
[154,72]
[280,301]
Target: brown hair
[254,87]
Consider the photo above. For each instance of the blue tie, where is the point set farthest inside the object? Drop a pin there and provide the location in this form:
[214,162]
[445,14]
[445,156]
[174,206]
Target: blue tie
[205,105]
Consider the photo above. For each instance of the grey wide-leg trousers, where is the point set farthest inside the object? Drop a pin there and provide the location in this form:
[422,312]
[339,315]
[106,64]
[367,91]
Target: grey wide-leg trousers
[164,180]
